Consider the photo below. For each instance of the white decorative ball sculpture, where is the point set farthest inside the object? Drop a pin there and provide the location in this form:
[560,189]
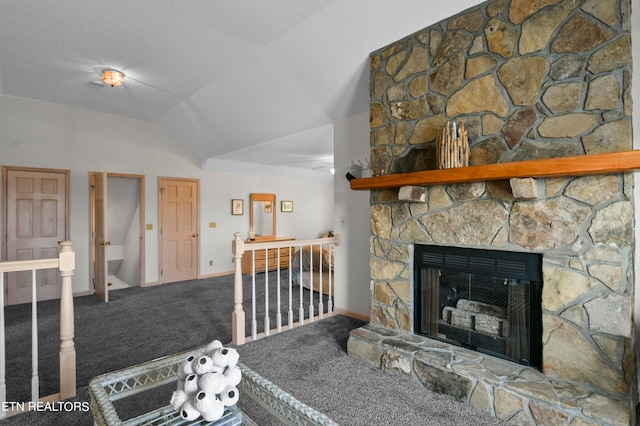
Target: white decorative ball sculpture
[207,383]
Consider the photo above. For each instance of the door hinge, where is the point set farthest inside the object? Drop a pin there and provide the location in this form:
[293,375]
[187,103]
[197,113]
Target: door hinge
[161,272]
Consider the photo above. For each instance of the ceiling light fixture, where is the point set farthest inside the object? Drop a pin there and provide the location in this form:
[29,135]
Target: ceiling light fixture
[112,77]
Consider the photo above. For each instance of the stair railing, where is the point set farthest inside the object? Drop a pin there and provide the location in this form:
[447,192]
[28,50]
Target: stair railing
[307,280]
[65,263]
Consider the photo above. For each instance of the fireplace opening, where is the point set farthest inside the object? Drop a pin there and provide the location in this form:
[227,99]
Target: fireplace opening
[485,300]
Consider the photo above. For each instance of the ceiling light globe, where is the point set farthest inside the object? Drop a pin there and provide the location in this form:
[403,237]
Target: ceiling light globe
[112,77]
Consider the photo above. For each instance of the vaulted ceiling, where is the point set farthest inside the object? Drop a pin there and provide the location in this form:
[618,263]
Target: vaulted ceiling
[244,80]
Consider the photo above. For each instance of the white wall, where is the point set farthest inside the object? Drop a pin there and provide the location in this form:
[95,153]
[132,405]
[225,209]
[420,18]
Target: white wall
[351,216]
[39,134]
[123,217]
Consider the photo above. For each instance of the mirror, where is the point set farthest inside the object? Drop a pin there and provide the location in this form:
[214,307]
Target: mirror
[262,215]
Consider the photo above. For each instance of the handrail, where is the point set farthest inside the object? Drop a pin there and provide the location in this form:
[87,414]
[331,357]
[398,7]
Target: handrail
[238,248]
[28,265]
[336,239]
[65,263]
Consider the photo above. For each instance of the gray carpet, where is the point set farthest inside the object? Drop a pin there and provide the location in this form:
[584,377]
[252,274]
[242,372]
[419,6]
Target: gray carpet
[137,325]
[140,324]
[311,363]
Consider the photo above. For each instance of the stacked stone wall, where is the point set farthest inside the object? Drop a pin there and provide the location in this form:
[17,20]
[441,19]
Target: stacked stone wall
[530,80]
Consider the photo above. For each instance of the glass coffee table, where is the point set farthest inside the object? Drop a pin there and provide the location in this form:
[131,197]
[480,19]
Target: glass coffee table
[149,385]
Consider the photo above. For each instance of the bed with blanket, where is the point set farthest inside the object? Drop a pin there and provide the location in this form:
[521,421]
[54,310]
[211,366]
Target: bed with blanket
[317,266]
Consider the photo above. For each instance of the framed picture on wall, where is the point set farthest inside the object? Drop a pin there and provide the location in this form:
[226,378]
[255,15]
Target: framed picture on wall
[237,207]
[286,206]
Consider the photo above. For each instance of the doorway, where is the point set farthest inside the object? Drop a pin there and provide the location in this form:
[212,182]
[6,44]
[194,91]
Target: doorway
[36,202]
[179,229]
[117,231]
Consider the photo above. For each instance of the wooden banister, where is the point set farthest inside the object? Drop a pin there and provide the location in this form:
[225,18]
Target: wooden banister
[65,263]
[592,164]
[238,316]
[67,259]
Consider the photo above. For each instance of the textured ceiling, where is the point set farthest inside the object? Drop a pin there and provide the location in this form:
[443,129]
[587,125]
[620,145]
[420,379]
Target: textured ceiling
[242,80]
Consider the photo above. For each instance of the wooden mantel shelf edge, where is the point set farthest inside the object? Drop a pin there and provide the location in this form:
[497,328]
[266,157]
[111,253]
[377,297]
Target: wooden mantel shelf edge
[592,164]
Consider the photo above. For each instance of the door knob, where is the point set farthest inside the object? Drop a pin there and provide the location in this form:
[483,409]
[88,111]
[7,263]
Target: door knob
[195,235]
[105,243]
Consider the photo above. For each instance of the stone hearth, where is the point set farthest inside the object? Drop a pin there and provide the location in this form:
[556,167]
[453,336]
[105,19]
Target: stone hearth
[510,391]
[530,80]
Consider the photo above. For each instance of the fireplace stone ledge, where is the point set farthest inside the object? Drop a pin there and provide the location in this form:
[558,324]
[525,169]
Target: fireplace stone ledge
[509,391]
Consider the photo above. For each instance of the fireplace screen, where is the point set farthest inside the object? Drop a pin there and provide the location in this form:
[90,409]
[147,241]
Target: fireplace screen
[485,300]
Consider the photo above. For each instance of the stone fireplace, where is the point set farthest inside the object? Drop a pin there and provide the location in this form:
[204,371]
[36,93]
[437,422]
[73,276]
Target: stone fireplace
[530,80]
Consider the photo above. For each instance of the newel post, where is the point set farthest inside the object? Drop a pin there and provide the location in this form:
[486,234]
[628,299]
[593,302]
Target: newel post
[237,318]
[67,263]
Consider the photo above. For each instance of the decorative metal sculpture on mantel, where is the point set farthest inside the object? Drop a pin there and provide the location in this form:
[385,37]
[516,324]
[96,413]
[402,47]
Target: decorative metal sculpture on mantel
[452,146]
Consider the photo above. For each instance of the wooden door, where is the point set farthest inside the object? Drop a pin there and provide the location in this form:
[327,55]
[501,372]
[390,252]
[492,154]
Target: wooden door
[100,239]
[36,219]
[179,227]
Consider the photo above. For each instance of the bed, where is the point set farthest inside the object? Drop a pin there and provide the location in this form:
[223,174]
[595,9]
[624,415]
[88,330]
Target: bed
[316,272]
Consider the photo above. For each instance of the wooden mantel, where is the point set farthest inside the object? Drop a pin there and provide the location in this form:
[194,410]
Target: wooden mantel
[593,164]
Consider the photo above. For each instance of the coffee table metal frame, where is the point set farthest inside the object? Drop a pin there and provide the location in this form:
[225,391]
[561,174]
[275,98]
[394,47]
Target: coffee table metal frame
[109,387]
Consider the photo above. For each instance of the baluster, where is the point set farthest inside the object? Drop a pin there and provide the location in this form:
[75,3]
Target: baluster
[67,347]
[254,322]
[266,294]
[290,292]
[330,266]
[278,313]
[35,381]
[301,308]
[3,368]
[320,283]
[311,283]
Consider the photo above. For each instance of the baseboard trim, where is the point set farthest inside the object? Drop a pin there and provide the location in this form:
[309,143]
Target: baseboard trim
[216,274]
[351,314]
